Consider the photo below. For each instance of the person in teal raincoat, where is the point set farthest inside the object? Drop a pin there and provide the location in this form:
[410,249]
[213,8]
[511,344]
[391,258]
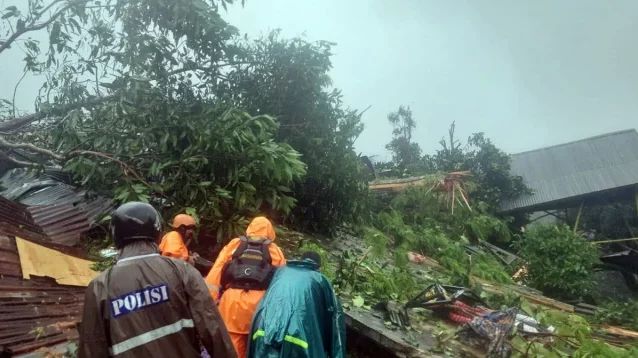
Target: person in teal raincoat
[300,316]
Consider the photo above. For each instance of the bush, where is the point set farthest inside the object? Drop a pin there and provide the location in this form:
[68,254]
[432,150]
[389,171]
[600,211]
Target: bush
[623,314]
[560,261]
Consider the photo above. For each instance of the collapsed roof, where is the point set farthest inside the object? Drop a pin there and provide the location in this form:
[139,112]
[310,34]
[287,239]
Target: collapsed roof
[49,205]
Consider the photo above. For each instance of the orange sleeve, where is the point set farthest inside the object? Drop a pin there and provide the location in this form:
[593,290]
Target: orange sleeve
[172,245]
[277,255]
[214,278]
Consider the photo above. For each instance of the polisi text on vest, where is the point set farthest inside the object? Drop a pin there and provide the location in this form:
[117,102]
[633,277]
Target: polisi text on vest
[138,300]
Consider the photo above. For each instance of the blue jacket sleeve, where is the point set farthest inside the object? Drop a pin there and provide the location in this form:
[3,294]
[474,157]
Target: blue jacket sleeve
[337,325]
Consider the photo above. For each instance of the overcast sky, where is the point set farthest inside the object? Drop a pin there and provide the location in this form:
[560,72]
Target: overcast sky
[527,73]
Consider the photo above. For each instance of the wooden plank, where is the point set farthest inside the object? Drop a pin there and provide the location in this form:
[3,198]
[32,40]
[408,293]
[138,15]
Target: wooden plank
[396,186]
[617,331]
[38,260]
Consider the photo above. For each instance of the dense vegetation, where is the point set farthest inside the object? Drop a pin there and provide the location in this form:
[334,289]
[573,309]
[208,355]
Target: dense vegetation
[561,262]
[162,101]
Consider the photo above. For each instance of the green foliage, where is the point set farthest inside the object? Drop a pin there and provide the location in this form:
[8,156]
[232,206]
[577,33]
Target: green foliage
[103,263]
[490,168]
[289,80]
[560,261]
[623,314]
[433,242]
[616,221]
[574,337]
[222,163]
[405,153]
[377,240]
[485,227]
[158,119]
[327,265]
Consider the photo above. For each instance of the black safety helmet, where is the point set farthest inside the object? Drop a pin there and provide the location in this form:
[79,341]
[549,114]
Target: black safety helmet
[135,221]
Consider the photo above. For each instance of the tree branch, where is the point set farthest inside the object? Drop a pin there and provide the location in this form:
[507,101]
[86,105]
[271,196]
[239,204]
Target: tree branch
[209,68]
[15,123]
[33,27]
[31,147]
[126,168]
[18,163]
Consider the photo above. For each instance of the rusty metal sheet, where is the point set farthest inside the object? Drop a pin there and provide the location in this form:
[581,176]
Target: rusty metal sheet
[15,219]
[36,313]
[52,188]
[62,224]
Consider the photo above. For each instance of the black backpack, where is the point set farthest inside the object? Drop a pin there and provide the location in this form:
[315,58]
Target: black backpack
[251,266]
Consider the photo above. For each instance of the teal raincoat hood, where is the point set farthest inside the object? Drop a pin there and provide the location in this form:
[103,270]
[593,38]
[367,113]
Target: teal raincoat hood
[299,317]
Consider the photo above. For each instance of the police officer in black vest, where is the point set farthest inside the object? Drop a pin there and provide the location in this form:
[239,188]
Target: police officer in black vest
[149,305]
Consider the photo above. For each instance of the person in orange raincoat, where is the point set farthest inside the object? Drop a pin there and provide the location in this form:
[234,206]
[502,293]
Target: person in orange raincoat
[238,305]
[175,243]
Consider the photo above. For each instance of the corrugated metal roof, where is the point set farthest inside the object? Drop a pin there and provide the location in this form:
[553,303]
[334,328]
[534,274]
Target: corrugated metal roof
[575,169]
[59,211]
[35,313]
[29,189]
[62,224]
[16,220]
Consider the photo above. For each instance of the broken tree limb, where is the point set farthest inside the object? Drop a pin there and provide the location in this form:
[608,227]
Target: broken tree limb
[17,163]
[6,144]
[17,122]
[126,168]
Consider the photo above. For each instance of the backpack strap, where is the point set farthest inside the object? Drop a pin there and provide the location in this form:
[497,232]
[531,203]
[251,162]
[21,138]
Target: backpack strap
[266,251]
[243,244]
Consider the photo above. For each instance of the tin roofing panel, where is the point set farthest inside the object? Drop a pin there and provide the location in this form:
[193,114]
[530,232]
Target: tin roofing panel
[59,211]
[576,169]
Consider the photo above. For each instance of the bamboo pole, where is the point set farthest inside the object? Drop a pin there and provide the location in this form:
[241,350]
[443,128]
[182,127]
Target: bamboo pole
[614,240]
[580,212]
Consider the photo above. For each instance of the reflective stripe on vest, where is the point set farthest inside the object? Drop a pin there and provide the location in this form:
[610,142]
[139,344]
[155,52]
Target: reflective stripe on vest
[212,287]
[290,339]
[136,257]
[150,336]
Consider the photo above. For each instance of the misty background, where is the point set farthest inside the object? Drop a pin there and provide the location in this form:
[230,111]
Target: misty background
[527,73]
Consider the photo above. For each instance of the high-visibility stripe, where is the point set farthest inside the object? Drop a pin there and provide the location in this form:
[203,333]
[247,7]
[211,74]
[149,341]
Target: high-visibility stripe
[294,340]
[336,316]
[150,336]
[136,257]
[290,339]
[258,334]
[212,287]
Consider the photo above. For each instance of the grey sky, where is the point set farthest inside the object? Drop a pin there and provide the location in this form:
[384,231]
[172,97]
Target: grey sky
[527,73]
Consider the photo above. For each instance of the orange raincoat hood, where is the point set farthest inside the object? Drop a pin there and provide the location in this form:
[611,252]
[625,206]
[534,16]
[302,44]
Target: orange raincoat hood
[261,227]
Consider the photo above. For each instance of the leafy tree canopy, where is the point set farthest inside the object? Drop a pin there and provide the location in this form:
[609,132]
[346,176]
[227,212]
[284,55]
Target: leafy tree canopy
[405,152]
[289,80]
[160,101]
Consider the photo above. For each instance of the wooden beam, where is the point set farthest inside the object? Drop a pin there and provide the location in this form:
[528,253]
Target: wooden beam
[540,217]
[556,216]
[614,240]
[580,212]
